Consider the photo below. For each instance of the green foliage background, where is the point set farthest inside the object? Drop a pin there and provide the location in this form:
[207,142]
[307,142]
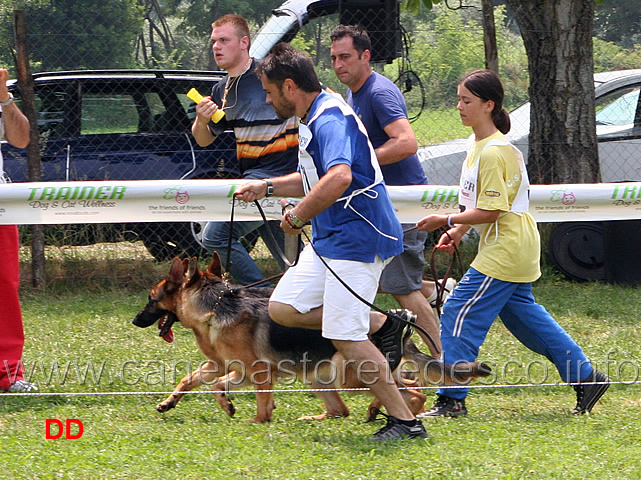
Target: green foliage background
[67,34]
[442,44]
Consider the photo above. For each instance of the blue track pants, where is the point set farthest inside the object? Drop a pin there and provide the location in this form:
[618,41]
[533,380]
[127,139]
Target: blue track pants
[475,303]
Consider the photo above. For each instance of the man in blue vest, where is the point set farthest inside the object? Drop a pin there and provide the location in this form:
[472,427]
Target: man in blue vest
[355,232]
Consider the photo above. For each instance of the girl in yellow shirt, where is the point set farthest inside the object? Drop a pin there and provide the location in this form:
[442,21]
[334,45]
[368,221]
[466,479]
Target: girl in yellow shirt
[494,199]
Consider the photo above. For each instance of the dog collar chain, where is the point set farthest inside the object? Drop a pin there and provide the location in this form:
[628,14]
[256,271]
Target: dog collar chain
[222,294]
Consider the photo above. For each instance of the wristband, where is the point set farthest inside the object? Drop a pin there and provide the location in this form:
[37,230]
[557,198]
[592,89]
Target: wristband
[8,102]
[293,221]
[449,221]
[270,188]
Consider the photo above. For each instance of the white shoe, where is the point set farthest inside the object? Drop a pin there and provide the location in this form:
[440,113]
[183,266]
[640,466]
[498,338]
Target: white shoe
[22,386]
[449,286]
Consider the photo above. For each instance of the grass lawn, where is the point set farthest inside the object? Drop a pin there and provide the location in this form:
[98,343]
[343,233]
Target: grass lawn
[81,340]
[436,126]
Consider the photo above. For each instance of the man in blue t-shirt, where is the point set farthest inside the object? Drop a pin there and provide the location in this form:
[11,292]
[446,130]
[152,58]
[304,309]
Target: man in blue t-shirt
[355,232]
[381,107]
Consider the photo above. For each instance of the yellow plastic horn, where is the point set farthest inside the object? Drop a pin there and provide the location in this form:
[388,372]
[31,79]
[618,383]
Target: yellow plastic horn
[194,95]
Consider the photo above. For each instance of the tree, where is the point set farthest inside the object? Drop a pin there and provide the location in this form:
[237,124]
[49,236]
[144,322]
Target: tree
[415,4]
[157,41]
[489,35]
[437,54]
[489,30]
[558,40]
[617,21]
[67,34]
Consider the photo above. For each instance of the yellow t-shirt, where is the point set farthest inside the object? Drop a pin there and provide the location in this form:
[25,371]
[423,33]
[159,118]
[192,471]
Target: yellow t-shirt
[513,255]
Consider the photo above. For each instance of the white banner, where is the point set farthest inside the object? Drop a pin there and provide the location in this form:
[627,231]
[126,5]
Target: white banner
[205,200]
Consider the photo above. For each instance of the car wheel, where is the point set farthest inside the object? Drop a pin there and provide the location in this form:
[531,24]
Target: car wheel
[576,249]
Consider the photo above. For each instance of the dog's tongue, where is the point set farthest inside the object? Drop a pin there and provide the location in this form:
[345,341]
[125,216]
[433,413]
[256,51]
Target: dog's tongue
[169,335]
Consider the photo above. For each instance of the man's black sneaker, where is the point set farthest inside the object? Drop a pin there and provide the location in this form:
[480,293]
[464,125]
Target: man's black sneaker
[445,407]
[587,395]
[392,342]
[395,430]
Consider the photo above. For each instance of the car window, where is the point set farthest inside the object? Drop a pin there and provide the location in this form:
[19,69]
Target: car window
[110,113]
[164,120]
[116,108]
[617,112]
[155,103]
[50,108]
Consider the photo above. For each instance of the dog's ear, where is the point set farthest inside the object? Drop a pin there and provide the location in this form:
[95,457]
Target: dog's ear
[192,274]
[215,267]
[176,272]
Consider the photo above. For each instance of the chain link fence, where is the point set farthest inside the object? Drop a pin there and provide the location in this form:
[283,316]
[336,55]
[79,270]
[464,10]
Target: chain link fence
[111,84]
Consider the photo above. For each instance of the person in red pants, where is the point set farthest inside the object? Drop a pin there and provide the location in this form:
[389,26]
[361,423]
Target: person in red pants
[14,127]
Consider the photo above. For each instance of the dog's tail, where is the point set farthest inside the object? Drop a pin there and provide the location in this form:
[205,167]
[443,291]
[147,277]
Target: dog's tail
[431,371]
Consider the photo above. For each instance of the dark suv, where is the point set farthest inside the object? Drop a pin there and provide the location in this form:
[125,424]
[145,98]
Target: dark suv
[125,125]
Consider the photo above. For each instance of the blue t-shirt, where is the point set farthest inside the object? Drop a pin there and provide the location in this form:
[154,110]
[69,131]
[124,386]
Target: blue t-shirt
[370,227]
[378,103]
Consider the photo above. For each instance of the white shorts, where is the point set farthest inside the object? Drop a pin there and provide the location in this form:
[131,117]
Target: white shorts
[310,285]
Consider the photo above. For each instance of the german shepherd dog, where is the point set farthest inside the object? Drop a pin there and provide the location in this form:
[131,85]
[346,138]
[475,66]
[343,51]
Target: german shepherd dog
[244,346]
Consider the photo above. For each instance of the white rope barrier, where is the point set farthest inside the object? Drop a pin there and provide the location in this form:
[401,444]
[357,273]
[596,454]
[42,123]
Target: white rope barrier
[301,390]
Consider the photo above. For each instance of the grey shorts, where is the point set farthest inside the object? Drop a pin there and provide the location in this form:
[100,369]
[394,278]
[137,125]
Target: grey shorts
[404,273]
